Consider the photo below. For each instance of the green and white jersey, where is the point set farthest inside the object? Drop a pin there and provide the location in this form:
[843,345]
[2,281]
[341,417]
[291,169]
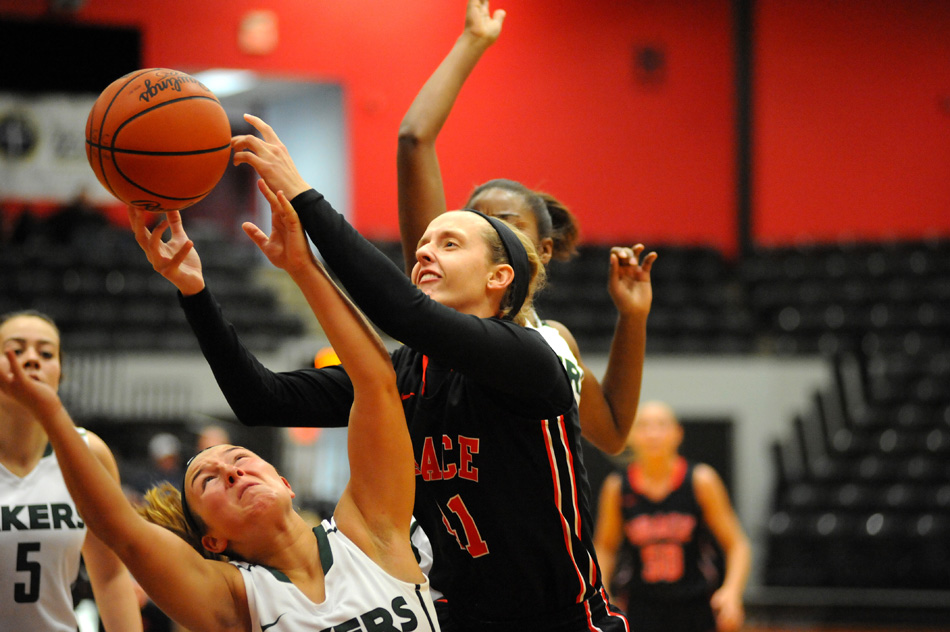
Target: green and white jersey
[41,538]
[554,339]
[359,594]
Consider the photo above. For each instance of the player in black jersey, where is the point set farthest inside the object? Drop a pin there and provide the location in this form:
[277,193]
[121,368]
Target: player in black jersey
[501,488]
[654,525]
[607,407]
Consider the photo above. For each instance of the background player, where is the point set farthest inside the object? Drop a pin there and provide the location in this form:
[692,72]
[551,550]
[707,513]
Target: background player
[43,536]
[651,524]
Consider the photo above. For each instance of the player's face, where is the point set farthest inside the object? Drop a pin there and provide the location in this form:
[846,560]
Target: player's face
[453,264]
[35,343]
[229,487]
[655,432]
[510,207]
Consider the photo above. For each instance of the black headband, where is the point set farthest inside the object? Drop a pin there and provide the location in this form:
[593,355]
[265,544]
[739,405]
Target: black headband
[189,517]
[517,257]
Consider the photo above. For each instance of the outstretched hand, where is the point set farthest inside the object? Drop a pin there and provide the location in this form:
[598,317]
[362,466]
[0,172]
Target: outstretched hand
[481,23]
[629,283]
[287,246]
[269,157]
[39,397]
[175,259]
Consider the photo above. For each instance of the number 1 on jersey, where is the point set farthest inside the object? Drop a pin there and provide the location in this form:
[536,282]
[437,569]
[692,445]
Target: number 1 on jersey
[475,545]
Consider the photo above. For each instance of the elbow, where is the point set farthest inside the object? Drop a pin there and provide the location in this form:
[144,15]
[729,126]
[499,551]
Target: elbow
[408,142]
[381,378]
[412,138]
[614,445]
[609,443]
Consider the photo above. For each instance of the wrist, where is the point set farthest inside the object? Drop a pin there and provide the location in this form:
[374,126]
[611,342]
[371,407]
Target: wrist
[47,411]
[191,289]
[633,318]
[295,189]
[477,43]
[302,270]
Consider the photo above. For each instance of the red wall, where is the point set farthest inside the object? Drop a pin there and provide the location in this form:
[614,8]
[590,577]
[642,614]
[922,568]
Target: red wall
[851,112]
[554,104]
[852,120]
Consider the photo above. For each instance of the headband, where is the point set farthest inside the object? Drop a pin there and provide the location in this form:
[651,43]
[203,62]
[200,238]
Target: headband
[189,517]
[517,258]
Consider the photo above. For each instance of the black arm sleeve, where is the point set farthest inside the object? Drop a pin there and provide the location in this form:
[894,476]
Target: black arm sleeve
[494,352]
[257,395]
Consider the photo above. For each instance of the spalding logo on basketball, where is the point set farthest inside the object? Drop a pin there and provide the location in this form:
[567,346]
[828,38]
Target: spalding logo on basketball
[158,139]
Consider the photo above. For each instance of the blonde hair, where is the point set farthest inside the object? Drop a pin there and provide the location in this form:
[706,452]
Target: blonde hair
[537,272]
[162,506]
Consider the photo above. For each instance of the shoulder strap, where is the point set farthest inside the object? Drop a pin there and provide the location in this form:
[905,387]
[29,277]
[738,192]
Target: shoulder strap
[323,544]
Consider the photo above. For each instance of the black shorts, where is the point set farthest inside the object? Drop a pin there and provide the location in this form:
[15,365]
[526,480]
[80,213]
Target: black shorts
[694,615]
[594,614]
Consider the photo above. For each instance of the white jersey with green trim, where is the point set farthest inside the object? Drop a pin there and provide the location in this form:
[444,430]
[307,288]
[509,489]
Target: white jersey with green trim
[554,339]
[41,539]
[359,594]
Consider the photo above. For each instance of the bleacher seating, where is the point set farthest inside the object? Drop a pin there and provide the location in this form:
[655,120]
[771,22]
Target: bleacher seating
[699,305]
[104,295]
[863,498]
[868,486]
[867,502]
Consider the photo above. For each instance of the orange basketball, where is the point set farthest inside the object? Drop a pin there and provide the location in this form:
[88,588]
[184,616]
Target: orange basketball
[158,139]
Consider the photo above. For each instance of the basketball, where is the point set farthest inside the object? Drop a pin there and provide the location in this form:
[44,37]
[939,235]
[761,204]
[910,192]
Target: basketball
[158,139]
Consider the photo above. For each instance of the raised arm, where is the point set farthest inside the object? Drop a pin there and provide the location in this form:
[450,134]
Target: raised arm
[421,195]
[257,395]
[375,509]
[607,408]
[522,362]
[197,593]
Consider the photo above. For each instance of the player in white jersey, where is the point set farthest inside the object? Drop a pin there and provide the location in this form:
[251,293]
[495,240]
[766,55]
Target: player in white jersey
[41,535]
[375,601]
[234,530]
[563,350]
[41,532]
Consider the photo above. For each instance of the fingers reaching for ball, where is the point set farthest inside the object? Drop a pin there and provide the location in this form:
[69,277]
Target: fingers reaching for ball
[269,157]
[175,259]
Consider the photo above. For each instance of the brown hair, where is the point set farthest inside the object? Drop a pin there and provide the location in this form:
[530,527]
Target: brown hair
[554,219]
[33,313]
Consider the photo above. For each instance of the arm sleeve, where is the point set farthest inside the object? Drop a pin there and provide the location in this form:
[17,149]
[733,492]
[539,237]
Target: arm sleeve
[494,352]
[257,395]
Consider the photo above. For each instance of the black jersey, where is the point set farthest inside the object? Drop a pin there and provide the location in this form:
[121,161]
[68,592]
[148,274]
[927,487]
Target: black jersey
[666,543]
[501,488]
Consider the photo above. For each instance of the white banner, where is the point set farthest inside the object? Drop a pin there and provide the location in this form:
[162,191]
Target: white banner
[42,149]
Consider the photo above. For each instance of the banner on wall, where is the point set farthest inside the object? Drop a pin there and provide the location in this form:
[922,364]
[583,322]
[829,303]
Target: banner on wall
[42,149]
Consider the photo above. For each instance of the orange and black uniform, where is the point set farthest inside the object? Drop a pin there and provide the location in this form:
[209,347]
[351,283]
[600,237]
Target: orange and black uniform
[501,488]
[663,568]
